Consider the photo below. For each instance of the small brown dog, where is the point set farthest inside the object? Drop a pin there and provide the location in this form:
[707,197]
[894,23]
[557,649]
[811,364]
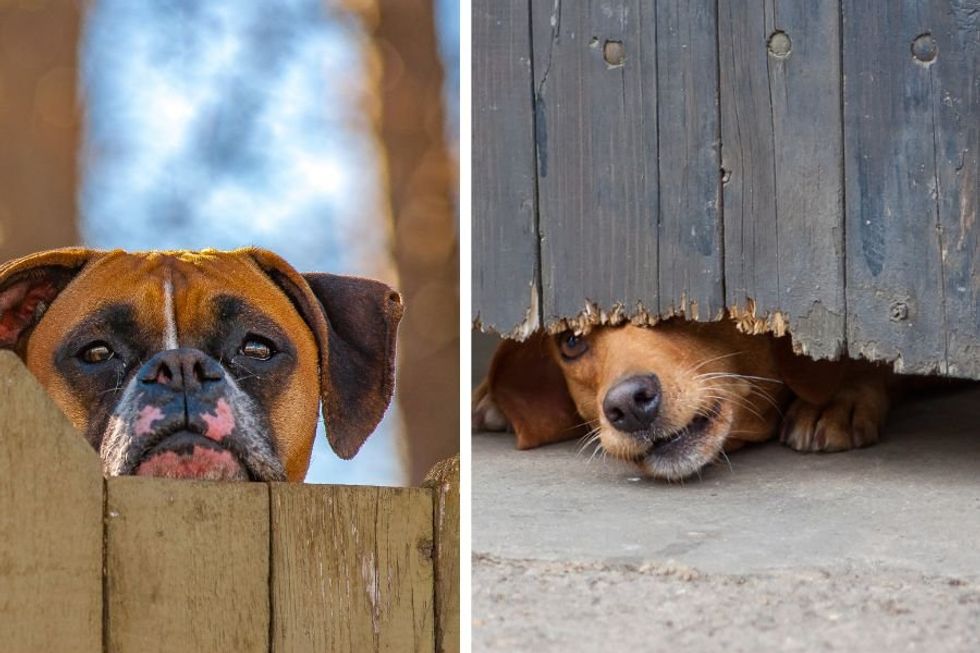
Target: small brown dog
[674,397]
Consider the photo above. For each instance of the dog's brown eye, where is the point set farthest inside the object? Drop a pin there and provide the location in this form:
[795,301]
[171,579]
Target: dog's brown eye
[571,345]
[257,349]
[97,352]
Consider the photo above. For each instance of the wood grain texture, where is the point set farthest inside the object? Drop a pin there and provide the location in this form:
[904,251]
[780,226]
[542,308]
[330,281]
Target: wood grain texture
[50,523]
[688,123]
[849,137]
[896,291]
[351,569]
[505,237]
[956,108]
[187,565]
[595,81]
[443,479]
[781,158]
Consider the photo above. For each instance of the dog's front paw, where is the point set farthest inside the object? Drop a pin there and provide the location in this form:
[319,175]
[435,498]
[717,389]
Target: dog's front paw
[853,418]
[486,416]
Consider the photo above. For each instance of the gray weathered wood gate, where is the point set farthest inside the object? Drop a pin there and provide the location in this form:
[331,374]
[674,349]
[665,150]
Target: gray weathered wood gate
[811,165]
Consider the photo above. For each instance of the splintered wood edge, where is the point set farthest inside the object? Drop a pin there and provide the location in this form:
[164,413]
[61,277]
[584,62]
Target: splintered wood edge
[748,319]
[443,472]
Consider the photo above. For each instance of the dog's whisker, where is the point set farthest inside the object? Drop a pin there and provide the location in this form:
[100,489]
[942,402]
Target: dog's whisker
[740,402]
[712,360]
[733,375]
[727,460]
[591,439]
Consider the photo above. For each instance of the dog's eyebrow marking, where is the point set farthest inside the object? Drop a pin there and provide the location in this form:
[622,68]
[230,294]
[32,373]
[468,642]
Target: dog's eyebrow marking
[169,317]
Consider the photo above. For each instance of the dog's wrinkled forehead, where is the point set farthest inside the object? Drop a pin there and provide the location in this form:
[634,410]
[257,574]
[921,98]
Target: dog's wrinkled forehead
[176,298]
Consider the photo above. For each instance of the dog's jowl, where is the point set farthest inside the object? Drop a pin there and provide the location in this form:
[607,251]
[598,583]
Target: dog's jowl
[209,365]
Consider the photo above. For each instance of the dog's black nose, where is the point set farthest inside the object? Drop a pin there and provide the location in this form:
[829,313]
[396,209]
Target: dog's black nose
[632,404]
[181,370]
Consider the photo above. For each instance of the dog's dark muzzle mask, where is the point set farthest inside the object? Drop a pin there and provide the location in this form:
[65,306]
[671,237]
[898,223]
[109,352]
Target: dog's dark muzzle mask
[183,416]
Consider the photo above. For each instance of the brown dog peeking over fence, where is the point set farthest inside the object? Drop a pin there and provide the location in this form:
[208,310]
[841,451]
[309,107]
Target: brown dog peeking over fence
[674,397]
[208,364]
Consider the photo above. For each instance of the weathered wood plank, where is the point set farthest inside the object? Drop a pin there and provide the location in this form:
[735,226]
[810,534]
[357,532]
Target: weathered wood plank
[505,238]
[50,523]
[956,106]
[781,159]
[896,294]
[595,81]
[351,569]
[187,565]
[444,481]
[690,263]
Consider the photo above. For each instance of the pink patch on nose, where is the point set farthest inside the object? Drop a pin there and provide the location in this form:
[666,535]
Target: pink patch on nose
[221,423]
[147,415]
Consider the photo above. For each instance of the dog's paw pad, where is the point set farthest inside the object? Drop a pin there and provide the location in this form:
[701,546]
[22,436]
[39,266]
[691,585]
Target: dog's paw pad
[487,417]
[844,423]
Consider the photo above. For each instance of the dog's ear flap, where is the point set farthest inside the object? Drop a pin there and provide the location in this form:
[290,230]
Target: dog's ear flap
[528,387]
[355,322]
[814,381]
[28,285]
[363,316]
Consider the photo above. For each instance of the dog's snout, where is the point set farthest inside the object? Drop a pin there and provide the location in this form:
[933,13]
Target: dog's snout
[632,404]
[181,370]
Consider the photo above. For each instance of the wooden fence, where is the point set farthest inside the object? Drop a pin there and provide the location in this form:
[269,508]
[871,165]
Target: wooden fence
[132,564]
[805,164]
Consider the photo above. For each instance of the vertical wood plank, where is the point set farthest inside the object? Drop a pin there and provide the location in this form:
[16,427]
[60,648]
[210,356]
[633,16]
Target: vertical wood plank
[505,236]
[956,106]
[444,481]
[691,242]
[782,165]
[50,523]
[896,291]
[187,565]
[595,81]
[351,569]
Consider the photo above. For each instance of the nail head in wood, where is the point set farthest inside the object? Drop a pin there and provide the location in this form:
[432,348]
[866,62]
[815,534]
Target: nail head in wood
[924,48]
[779,44]
[898,312]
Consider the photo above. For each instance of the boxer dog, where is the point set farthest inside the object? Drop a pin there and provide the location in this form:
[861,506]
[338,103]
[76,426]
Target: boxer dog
[208,365]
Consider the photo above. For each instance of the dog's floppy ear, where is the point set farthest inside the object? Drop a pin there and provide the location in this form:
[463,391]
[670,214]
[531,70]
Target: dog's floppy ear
[355,322]
[28,285]
[528,387]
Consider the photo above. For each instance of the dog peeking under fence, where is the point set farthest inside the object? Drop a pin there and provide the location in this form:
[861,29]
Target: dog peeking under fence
[675,397]
[209,365]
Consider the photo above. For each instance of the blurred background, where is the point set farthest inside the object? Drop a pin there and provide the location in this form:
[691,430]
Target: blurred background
[326,130]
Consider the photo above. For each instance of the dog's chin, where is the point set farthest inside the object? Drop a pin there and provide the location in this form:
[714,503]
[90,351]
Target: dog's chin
[188,455]
[677,453]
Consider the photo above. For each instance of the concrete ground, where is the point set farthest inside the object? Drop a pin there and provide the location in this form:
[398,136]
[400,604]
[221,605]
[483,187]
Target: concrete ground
[871,550]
